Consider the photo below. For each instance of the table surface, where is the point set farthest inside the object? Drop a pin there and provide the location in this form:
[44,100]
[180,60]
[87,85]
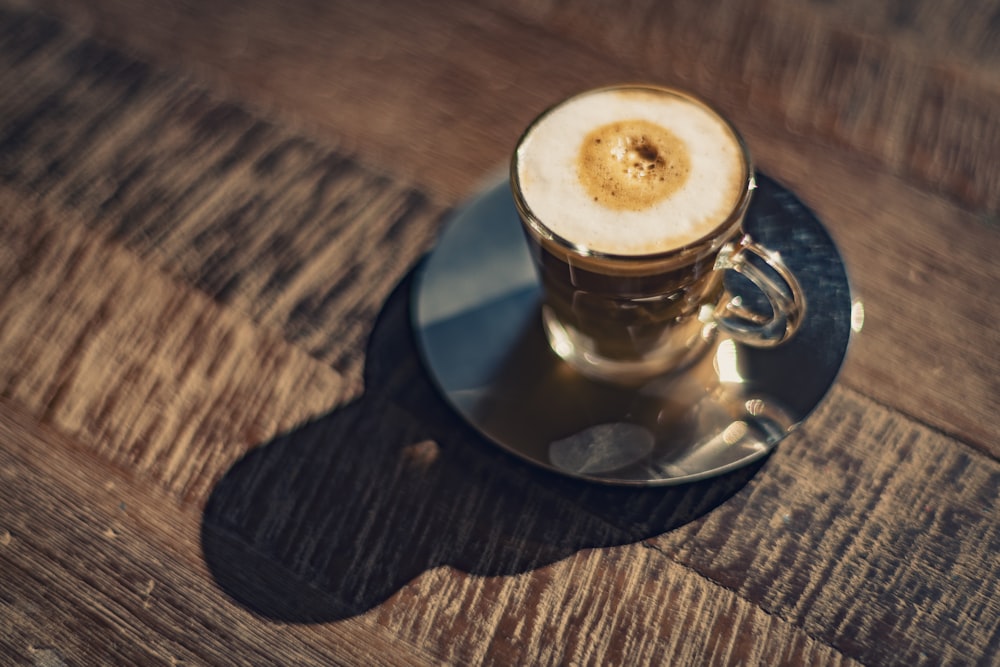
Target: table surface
[218,444]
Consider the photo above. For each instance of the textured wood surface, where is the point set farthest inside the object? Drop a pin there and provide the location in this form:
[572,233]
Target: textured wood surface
[218,445]
[926,250]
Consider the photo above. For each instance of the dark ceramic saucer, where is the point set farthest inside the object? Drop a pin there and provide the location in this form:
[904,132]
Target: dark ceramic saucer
[476,317]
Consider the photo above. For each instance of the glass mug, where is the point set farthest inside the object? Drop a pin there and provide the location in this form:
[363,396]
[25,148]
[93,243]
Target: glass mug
[632,282]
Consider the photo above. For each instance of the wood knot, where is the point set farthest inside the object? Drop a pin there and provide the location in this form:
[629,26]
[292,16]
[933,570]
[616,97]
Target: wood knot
[422,454]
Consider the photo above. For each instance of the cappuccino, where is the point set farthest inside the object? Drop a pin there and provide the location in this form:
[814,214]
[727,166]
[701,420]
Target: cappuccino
[632,200]
[631,171]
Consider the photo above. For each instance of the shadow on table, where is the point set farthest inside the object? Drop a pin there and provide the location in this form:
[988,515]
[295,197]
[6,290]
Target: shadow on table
[331,519]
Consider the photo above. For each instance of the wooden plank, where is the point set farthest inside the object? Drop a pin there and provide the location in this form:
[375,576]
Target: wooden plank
[177,175]
[464,540]
[872,533]
[958,29]
[518,530]
[158,377]
[98,570]
[63,607]
[912,88]
[272,223]
[918,100]
[874,525]
[95,574]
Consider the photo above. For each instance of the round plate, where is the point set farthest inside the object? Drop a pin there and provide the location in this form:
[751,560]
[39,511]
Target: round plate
[477,321]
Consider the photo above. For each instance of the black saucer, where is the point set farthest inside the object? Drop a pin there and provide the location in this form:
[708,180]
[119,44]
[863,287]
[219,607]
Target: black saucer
[477,320]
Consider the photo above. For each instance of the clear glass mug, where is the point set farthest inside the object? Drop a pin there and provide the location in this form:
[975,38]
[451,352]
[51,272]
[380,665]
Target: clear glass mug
[625,317]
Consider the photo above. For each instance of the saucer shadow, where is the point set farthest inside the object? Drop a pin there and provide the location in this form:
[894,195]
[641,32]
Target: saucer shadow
[331,519]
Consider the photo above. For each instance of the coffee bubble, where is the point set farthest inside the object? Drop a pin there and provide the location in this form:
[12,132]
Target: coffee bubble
[631,165]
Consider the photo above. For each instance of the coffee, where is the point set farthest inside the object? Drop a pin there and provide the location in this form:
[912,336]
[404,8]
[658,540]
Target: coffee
[631,171]
[633,199]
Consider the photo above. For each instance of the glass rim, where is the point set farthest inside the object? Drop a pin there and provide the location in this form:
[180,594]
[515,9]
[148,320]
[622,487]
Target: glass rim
[547,235]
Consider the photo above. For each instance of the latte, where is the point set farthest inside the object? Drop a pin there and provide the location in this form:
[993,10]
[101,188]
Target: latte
[631,171]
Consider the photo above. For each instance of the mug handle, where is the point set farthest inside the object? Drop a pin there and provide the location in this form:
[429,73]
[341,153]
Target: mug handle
[779,285]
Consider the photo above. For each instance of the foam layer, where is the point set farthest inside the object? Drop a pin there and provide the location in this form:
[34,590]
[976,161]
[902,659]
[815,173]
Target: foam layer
[631,171]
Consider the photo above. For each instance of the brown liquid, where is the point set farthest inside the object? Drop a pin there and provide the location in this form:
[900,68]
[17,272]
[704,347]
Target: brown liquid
[625,317]
[628,264]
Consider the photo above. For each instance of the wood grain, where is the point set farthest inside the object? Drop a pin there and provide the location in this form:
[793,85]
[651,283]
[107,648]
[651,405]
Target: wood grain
[217,440]
[147,601]
[922,265]
[902,87]
[855,531]
[69,300]
[93,574]
[910,85]
[465,533]
[197,186]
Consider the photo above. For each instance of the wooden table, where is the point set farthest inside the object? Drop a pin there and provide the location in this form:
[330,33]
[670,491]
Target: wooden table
[218,444]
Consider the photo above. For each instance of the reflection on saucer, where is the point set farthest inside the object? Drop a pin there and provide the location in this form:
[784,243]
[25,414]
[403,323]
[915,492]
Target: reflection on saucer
[602,448]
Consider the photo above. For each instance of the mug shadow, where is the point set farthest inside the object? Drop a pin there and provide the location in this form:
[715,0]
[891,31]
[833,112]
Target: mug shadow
[331,519]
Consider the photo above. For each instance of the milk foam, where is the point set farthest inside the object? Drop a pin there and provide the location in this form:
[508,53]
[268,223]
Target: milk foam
[547,169]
